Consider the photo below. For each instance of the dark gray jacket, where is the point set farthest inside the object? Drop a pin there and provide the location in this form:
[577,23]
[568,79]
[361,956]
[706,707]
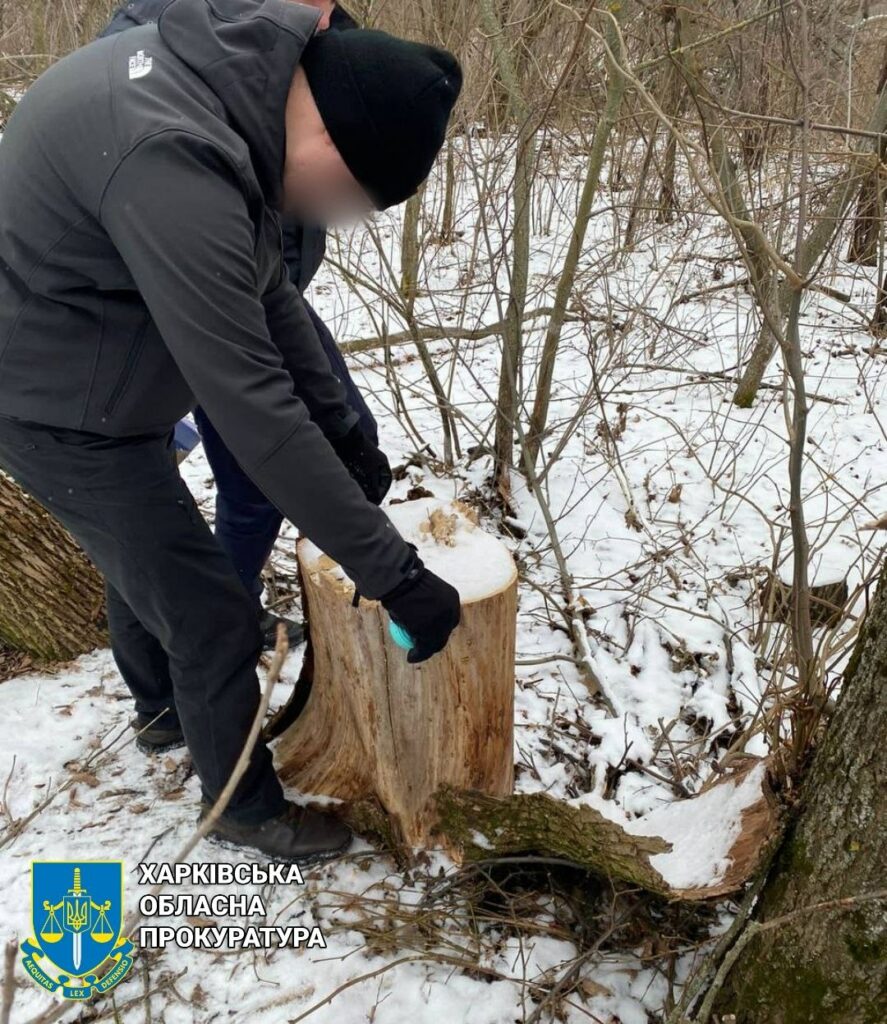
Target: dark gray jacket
[141,268]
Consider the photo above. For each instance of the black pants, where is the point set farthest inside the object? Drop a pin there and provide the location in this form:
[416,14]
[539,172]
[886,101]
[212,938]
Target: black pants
[183,629]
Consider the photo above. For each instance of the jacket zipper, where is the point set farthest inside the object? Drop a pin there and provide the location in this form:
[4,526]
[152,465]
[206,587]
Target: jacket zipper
[279,232]
[132,357]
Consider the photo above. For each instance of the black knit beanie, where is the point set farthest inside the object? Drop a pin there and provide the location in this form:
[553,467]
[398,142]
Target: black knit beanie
[341,20]
[385,103]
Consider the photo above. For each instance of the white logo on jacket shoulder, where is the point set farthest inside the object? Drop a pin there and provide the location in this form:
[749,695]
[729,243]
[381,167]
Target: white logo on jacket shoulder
[140,65]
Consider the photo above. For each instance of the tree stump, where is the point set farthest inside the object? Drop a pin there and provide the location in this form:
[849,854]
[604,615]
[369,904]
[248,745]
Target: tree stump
[377,728]
[52,599]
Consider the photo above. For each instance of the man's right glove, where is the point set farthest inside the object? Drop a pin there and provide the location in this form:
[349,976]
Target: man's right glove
[428,608]
[366,462]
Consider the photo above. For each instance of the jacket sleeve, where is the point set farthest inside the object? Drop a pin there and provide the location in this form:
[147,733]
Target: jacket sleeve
[177,213]
[295,337]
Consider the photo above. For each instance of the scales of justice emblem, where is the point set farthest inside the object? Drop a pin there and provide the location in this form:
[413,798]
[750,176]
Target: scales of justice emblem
[77,914]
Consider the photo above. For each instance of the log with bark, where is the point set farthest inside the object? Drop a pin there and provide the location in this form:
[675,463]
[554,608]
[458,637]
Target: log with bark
[51,596]
[693,849]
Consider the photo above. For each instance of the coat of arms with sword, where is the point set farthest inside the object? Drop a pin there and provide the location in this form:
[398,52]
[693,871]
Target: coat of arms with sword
[78,908]
[78,927]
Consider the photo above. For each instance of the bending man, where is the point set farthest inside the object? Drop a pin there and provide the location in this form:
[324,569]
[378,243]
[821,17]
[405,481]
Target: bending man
[141,273]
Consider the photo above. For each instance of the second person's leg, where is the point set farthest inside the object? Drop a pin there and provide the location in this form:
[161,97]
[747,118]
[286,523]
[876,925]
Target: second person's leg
[247,524]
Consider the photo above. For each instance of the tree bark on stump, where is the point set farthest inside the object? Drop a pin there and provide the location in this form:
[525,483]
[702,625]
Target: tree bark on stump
[828,964]
[51,596]
[378,730]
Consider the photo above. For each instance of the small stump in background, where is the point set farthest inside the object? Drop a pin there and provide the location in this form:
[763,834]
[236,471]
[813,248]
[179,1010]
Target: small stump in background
[827,601]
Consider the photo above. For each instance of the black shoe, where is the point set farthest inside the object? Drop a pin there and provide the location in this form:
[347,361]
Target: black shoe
[156,736]
[297,834]
[295,631]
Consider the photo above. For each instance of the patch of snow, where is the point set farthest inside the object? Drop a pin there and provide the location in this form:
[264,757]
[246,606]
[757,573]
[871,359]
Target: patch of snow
[701,831]
[477,564]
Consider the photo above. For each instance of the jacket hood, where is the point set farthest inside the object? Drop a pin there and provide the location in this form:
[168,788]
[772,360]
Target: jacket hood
[247,52]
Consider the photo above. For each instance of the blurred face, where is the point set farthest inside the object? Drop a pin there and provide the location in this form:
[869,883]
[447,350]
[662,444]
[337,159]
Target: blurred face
[318,187]
[326,8]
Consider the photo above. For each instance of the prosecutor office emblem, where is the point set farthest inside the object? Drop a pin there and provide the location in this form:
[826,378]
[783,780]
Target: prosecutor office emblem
[77,916]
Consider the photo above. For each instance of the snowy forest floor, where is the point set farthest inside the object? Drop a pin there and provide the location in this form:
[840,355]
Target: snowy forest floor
[671,507]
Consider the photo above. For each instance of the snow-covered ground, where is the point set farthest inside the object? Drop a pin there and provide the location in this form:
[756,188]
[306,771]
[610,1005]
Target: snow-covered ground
[668,503]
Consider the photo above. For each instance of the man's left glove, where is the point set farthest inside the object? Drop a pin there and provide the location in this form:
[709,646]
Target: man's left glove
[426,608]
[366,464]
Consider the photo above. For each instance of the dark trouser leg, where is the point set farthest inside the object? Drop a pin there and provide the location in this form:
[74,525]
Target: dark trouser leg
[143,663]
[247,524]
[126,504]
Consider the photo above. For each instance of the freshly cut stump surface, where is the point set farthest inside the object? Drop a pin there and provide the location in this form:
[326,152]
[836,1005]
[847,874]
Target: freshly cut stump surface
[377,727]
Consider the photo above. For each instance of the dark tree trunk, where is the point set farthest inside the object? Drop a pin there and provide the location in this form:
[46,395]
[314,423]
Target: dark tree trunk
[869,209]
[879,319]
[51,596]
[828,965]
[867,224]
[675,98]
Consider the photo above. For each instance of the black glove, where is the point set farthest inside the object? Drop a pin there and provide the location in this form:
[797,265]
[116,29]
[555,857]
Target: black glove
[428,608]
[365,462]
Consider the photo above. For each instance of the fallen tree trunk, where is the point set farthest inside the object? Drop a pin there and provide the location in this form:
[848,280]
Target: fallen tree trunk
[686,850]
[51,597]
[535,823]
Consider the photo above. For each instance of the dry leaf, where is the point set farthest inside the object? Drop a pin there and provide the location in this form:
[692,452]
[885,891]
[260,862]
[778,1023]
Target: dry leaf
[442,527]
[90,778]
[590,989]
[878,524]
